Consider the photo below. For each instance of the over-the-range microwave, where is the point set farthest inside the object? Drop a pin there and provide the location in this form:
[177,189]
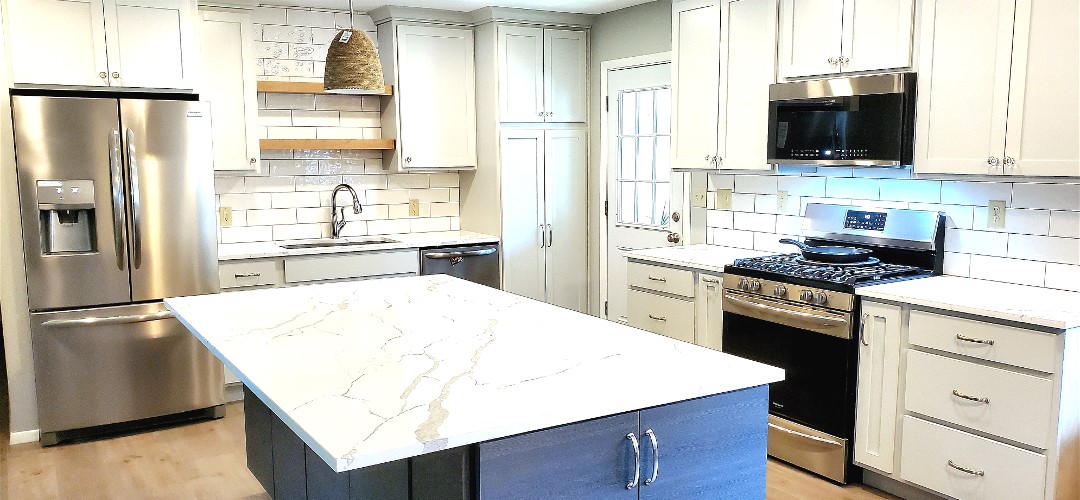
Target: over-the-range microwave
[861,121]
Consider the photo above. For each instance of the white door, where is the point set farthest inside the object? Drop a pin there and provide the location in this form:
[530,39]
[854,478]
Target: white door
[878,387]
[524,232]
[228,82]
[1041,136]
[964,86]
[521,74]
[58,42]
[877,34]
[565,197]
[150,43]
[565,75]
[639,189]
[810,33]
[696,80]
[748,63]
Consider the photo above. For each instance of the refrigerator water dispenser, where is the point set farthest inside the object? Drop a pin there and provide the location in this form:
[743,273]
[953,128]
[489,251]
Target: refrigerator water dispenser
[66,214]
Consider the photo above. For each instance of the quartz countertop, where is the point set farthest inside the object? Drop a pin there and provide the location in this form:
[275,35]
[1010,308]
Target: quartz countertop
[240,251]
[374,371]
[1055,309]
[710,258]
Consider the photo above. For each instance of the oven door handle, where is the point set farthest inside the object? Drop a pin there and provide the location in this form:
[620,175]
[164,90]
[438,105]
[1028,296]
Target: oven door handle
[804,435]
[824,320]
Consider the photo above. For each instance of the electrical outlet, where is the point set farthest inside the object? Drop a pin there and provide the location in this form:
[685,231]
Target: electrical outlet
[781,201]
[723,199]
[995,214]
[414,207]
[698,198]
[225,216]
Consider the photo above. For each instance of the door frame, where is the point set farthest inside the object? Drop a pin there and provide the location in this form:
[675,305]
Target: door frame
[605,68]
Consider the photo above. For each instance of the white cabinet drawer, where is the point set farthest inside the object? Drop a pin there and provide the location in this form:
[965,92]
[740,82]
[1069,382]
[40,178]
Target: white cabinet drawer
[348,266]
[660,278]
[247,273]
[1018,406]
[1003,344]
[1008,473]
[663,315]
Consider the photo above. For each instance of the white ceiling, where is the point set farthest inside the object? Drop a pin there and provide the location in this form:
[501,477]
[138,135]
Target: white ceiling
[580,6]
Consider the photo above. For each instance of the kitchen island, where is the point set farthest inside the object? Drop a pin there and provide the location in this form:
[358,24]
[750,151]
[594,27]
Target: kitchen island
[434,387]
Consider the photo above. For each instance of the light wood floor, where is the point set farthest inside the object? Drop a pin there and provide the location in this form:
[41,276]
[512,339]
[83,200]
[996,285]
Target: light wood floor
[206,460]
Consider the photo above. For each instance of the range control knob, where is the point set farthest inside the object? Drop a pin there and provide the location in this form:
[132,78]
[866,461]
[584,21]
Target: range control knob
[820,298]
[780,291]
[743,284]
[755,286]
[806,295]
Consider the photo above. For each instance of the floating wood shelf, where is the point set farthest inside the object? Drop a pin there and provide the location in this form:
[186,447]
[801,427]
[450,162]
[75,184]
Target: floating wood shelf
[302,88]
[326,144]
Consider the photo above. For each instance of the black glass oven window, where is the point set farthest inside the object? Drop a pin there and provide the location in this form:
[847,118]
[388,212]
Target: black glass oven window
[837,128]
[870,221]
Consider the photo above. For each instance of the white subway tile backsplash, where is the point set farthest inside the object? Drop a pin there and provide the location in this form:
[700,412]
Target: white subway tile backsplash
[361,119]
[956,216]
[762,223]
[1047,196]
[429,224]
[720,181]
[444,180]
[316,118]
[402,211]
[323,36]
[245,201]
[300,232]
[389,226]
[1065,224]
[246,234]
[389,197]
[883,172]
[719,218]
[431,195]
[768,204]
[239,217]
[341,166]
[270,185]
[225,185]
[911,190]
[295,200]
[1063,277]
[977,242]
[789,224]
[317,154]
[801,186]
[733,238]
[340,133]
[290,101]
[408,181]
[297,17]
[957,264]
[354,229]
[1022,272]
[879,204]
[271,50]
[271,217]
[290,132]
[806,200]
[371,103]
[770,242]
[854,188]
[833,172]
[281,168]
[449,209]
[366,181]
[455,194]
[371,133]
[268,15]
[275,118]
[313,215]
[975,193]
[319,183]
[338,102]
[291,34]
[1017,220]
[755,184]
[1044,248]
[743,202]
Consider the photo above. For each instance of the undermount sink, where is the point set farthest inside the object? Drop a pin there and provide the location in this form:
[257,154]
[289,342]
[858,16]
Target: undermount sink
[336,243]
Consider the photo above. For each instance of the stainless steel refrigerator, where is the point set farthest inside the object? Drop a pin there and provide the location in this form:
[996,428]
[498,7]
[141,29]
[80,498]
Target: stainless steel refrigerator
[117,200]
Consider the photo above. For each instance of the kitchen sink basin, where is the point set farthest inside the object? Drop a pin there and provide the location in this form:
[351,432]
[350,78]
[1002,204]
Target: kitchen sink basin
[338,243]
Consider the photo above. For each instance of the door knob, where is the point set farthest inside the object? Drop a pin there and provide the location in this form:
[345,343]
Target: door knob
[673,238]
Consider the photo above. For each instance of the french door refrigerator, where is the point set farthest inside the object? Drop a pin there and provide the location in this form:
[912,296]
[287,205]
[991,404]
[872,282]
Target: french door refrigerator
[117,201]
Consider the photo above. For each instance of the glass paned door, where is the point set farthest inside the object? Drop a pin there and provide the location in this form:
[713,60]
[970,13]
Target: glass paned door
[644,170]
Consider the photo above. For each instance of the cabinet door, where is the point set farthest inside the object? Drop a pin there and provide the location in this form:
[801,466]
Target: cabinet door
[565,176]
[710,313]
[564,75]
[964,66]
[521,74]
[713,447]
[524,233]
[228,82]
[58,42]
[660,314]
[877,34]
[151,43]
[810,34]
[878,387]
[1045,69]
[437,96]
[748,62]
[695,83]
[592,459]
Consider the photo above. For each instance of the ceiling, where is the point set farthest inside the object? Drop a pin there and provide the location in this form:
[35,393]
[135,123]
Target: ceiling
[580,6]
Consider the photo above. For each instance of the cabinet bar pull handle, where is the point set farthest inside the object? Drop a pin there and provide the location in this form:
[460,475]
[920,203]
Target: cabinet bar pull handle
[637,461]
[862,330]
[247,275]
[710,281]
[974,340]
[551,236]
[654,278]
[656,457]
[658,318]
[966,470]
[543,237]
[961,395]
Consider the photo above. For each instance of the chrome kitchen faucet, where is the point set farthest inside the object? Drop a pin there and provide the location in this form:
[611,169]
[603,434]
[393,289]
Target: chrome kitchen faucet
[337,220]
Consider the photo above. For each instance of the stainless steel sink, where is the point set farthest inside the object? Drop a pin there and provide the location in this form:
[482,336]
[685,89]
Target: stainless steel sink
[338,243]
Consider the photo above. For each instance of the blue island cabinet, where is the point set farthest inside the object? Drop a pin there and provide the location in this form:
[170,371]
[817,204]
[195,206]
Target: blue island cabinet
[709,448]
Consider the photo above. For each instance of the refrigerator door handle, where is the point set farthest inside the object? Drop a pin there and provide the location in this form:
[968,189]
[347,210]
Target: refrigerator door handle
[107,320]
[136,205]
[117,197]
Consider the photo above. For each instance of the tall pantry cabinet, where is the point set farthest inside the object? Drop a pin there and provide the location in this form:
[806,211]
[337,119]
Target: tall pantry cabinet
[529,187]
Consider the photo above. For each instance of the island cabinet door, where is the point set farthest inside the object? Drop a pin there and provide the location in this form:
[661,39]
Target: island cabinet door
[713,447]
[593,459]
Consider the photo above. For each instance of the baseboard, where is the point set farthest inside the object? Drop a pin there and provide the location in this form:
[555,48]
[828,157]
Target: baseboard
[23,437]
[894,487]
[234,392]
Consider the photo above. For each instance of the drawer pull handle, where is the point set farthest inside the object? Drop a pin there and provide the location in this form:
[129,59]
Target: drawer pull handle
[966,470]
[658,318]
[710,281]
[654,278]
[247,275]
[961,395]
[974,340]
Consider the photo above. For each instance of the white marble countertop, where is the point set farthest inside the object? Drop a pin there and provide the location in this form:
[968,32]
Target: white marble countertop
[711,258]
[374,371]
[1056,309]
[240,251]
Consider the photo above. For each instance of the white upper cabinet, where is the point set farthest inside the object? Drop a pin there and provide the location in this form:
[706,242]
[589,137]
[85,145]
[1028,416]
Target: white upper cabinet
[748,67]
[994,82]
[99,43]
[695,83]
[822,37]
[228,82]
[542,75]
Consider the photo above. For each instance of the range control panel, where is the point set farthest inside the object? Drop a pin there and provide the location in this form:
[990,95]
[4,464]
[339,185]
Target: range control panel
[870,221]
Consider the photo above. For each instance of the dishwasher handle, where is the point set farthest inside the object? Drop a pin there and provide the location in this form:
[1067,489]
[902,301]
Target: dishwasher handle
[458,255]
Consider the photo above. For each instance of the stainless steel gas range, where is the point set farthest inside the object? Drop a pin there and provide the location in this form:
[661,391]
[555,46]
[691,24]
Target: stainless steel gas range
[803,315]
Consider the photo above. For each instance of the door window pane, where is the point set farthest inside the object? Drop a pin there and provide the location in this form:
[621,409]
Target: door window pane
[629,113]
[663,111]
[644,203]
[645,158]
[627,158]
[662,204]
[663,157]
[646,113]
[626,202]
[644,163]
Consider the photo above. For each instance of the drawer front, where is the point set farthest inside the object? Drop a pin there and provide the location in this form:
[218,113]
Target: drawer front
[661,279]
[245,273]
[1003,344]
[348,266]
[1008,473]
[1012,405]
[667,316]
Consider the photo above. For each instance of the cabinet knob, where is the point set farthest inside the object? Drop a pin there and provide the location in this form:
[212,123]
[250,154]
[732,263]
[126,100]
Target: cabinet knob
[993,161]
[541,113]
[116,74]
[252,160]
[844,60]
[103,75]
[833,61]
[1009,162]
[408,159]
[719,160]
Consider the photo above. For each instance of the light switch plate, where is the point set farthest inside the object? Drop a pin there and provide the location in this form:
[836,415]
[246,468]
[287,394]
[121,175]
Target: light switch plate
[723,199]
[995,214]
[225,216]
[414,207]
[698,198]
[781,201]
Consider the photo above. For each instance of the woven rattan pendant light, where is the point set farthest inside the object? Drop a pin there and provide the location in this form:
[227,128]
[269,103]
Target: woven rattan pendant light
[352,63]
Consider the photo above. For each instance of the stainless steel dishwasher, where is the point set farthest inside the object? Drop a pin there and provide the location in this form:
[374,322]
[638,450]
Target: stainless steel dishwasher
[476,263]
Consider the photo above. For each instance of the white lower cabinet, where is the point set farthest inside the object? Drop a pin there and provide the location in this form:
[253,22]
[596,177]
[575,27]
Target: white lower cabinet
[878,387]
[710,312]
[669,316]
[684,304]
